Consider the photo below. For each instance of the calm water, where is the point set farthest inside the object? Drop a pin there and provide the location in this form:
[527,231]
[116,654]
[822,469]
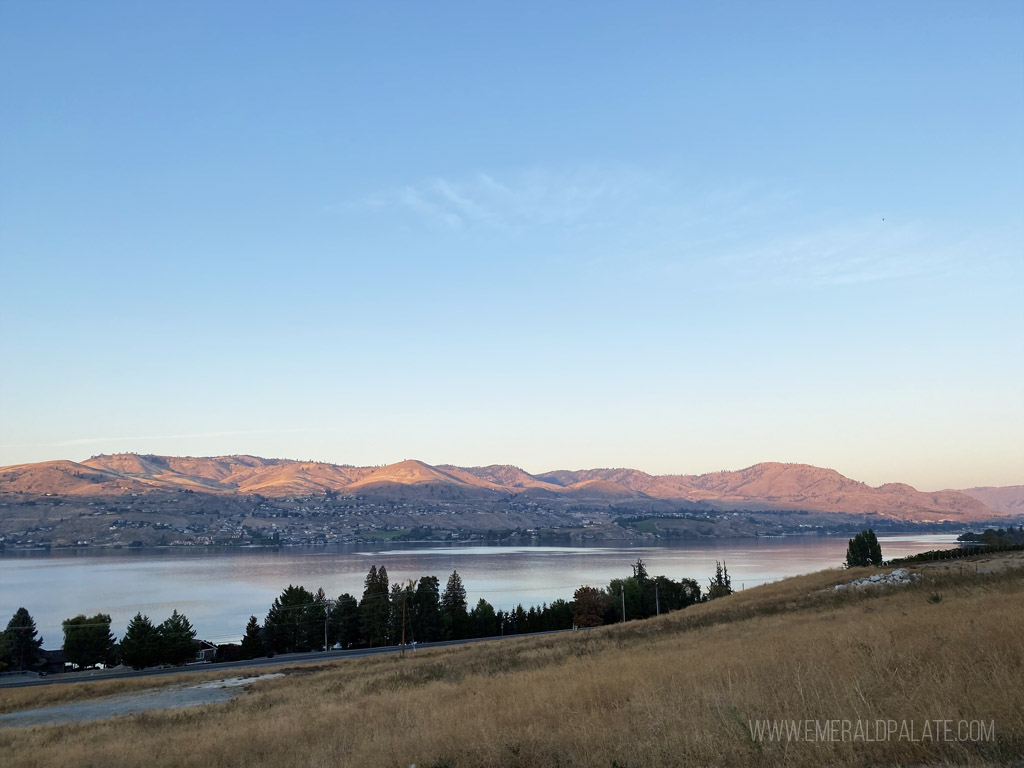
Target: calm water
[219,590]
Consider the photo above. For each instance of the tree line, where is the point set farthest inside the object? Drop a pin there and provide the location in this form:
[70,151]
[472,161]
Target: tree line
[416,611]
[88,642]
[419,611]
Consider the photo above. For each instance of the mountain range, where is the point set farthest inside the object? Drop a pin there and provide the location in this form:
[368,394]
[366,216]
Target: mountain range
[768,485]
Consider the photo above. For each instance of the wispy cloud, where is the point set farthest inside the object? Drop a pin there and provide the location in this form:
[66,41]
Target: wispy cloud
[629,220]
[140,438]
[532,200]
[855,252]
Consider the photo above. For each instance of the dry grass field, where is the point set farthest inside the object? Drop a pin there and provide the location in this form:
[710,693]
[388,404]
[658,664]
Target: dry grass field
[676,690]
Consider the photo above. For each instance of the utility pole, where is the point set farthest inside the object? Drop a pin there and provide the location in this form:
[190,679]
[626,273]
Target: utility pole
[327,618]
[657,604]
[405,594]
[622,592]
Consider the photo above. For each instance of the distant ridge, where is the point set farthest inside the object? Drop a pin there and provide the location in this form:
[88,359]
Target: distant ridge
[769,485]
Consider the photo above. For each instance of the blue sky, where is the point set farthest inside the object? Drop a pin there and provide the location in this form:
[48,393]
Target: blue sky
[679,237]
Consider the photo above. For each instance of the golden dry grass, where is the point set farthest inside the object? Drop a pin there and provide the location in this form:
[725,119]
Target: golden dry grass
[677,690]
[14,699]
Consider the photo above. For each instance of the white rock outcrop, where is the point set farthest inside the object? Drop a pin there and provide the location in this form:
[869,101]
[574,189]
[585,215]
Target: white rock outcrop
[896,578]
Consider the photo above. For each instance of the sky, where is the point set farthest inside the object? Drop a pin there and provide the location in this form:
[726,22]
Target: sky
[680,237]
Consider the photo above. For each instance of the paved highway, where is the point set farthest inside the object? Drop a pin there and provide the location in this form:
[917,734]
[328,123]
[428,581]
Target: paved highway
[283,659]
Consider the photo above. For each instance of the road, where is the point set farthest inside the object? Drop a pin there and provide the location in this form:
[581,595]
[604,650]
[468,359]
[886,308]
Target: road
[290,659]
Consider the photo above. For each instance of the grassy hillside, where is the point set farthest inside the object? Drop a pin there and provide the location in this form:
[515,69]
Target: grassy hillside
[679,689]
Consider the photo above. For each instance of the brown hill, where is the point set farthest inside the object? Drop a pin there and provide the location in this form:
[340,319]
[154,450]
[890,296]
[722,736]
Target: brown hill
[506,476]
[65,478]
[1008,500]
[768,485]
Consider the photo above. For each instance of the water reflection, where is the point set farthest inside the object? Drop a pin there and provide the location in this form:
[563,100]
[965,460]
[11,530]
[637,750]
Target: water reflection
[219,590]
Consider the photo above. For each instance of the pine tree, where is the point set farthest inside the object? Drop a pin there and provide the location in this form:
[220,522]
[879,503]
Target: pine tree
[721,584]
[5,651]
[453,609]
[519,620]
[401,610]
[427,625]
[558,615]
[252,642]
[177,639]
[140,646]
[345,621]
[288,626]
[374,607]
[863,550]
[482,619]
[24,648]
[88,640]
[874,548]
[316,630]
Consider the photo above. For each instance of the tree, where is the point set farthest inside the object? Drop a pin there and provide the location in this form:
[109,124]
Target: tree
[589,605]
[374,607]
[315,624]
[5,651]
[628,589]
[674,595]
[291,625]
[558,615]
[140,646]
[519,620]
[427,626]
[874,548]
[177,639]
[88,641]
[863,549]
[401,611]
[721,584]
[345,621]
[453,609]
[482,620]
[640,570]
[252,642]
[23,645]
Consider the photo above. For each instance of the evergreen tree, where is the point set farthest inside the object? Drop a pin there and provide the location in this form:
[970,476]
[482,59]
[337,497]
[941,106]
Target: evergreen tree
[374,607]
[5,651]
[140,646]
[177,639]
[288,627]
[874,548]
[863,549]
[401,610]
[88,640]
[558,616]
[721,584]
[345,621]
[316,628]
[252,642]
[519,620]
[453,609]
[673,595]
[482,620]
[427,626]
[24,648]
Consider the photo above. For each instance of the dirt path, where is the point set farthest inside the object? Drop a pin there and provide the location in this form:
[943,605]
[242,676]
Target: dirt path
[209,692]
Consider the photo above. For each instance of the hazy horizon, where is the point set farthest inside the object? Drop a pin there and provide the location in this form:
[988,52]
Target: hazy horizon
[679,238]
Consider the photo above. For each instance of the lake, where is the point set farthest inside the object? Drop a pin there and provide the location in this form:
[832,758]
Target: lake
[219,590]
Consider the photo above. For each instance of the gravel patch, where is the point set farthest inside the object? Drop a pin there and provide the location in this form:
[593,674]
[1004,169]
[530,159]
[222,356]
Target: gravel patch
[209,692]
